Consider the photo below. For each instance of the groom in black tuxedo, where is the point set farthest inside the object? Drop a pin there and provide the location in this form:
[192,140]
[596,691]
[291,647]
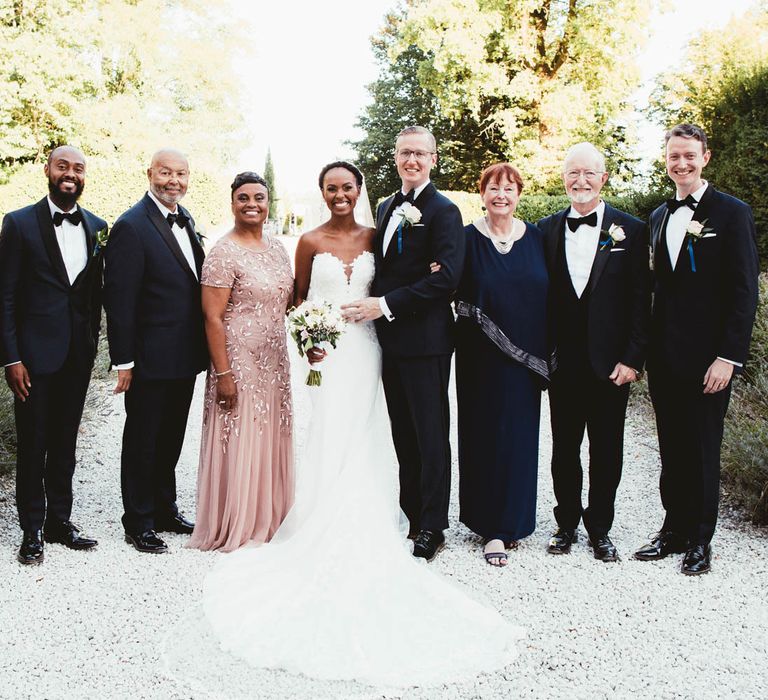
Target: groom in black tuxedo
[414,322]
[705,297]
[157,344]
[50,280]
[599,308]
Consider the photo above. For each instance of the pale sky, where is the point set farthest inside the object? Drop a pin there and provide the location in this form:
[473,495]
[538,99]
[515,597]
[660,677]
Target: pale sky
[312,60]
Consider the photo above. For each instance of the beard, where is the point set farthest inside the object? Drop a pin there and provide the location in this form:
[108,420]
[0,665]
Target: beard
[66,200]
[170,200]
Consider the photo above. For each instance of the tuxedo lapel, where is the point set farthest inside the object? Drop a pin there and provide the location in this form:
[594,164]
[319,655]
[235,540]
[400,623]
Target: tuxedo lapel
[387,207]
[556,238]
[166,234]
[48,234]
[700,214]
[659,249]
[603,251]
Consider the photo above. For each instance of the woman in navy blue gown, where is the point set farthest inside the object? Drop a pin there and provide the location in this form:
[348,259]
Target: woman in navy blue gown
[501,367]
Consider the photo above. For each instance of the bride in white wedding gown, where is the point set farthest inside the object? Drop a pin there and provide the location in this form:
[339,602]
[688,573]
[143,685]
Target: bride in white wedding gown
[337,594]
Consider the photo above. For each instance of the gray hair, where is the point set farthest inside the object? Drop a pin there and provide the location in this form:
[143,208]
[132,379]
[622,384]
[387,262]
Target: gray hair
[585,148]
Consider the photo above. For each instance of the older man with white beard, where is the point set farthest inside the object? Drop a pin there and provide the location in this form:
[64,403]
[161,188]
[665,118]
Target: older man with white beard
[599,308]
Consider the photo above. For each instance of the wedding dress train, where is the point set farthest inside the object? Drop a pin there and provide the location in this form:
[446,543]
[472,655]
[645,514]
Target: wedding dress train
[337,594]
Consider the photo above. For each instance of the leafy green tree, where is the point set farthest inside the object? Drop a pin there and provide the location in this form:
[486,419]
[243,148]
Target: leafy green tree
[722,85]
[527,77]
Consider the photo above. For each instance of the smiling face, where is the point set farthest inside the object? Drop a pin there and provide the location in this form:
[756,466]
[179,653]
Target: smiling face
[501,196]
[686,158]
[340,191]
[414,157]
[250,205]
[583,178]
[65,170]
[169,177]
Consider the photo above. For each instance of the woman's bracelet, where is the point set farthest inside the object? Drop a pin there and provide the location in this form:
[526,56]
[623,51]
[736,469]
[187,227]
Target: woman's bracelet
[222,374]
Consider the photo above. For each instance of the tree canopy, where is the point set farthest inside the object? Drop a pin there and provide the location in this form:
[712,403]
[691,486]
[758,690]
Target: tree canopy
[514,79]
[119,79]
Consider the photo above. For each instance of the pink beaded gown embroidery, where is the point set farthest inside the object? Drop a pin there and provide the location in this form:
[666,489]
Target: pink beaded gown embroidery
[246,475]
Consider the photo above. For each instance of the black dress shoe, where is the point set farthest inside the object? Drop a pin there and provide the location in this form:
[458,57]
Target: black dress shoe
[175,523]
[561,541]
[67,534]
[427,544]
[31,550]
[696,560]
[663,544]
[147,542]
[603,548]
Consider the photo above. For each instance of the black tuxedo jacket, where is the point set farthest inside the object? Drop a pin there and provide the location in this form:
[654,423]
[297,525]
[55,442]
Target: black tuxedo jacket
[44,317]
[699,316]
[152,298]
[618,289]
[419,301]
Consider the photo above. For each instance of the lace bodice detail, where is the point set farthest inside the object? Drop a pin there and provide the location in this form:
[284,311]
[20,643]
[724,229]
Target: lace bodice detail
[339,283]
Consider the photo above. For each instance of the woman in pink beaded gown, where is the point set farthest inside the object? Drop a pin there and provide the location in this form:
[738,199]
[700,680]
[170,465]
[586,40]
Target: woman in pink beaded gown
[246,479]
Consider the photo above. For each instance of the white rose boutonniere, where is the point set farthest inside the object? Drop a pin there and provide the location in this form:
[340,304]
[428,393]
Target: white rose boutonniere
[409,215]
[615,234]
[694,232]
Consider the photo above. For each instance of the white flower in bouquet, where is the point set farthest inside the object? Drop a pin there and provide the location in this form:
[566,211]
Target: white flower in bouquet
[315,324]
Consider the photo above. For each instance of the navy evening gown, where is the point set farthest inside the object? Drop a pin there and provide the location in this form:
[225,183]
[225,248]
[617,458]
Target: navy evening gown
[501,368]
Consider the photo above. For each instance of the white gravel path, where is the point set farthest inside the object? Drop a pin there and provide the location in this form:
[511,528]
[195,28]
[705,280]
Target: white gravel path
[91,625]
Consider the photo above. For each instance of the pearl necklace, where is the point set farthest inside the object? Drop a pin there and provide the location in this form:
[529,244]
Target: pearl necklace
[500,243]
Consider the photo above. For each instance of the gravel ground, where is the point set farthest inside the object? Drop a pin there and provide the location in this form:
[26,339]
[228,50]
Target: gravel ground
[92,625]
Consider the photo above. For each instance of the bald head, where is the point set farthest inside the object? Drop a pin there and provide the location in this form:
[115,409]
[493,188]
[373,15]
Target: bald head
[68,152]
[168,175]
[65,170]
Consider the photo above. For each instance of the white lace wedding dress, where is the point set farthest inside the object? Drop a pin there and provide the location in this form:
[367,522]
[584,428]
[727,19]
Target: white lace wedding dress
[337,594]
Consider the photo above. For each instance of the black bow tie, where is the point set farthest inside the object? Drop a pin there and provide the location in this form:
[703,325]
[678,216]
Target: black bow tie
[674,204]
[400,197]
[74,217]
[180,219]
[574,222]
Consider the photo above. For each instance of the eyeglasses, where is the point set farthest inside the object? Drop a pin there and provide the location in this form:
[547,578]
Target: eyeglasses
[406,154]
[589,174]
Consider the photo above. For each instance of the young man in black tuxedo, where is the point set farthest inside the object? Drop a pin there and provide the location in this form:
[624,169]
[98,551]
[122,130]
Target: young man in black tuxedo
[705,297]
[414,323]
[157,344]
[50,280]
[599,301]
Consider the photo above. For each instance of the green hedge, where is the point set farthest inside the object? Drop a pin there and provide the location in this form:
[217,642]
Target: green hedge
[745,443]
[533,207]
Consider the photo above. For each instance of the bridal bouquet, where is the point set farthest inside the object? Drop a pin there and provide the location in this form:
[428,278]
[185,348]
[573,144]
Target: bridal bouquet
[315,324]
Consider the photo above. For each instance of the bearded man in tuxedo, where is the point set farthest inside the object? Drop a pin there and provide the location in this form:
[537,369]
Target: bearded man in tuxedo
[415,325]
[157,345]
[599,307]
[50,281]
[705,297]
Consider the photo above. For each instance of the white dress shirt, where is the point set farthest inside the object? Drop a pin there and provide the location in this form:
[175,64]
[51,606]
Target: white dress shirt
[389,234]
[72,243]
[581,247]
[677,222]
[181,235]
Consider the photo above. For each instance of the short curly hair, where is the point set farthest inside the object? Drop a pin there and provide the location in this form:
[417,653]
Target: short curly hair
[246,178]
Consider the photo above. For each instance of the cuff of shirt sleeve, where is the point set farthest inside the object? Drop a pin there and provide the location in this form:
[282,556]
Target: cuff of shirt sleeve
[127,365]
[731,362]
[385,309]
[10,364]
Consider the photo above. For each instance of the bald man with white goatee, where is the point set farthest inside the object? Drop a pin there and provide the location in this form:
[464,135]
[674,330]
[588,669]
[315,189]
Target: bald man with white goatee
[156,343]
